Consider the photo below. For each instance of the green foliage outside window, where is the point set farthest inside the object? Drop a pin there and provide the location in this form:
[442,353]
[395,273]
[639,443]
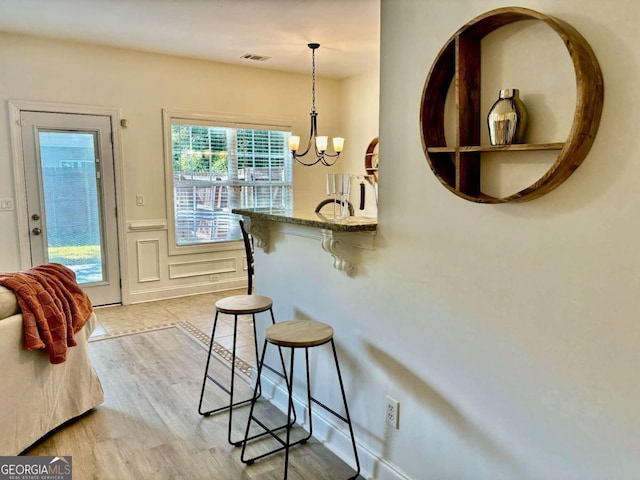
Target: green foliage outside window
[199,149]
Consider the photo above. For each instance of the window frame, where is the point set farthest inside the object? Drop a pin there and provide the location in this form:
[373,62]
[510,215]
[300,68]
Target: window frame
[169,117]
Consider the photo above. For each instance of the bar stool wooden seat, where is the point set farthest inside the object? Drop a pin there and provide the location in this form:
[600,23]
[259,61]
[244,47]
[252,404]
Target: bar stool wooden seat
[235,305]
[296,334]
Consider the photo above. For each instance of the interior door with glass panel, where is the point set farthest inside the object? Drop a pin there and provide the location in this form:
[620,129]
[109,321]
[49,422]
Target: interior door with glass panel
[69,172]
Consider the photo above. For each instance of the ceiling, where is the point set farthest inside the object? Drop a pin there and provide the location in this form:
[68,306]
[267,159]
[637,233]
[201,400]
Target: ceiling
[217,30]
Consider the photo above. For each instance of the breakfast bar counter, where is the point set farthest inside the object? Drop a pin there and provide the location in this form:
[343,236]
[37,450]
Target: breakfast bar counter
[338,237]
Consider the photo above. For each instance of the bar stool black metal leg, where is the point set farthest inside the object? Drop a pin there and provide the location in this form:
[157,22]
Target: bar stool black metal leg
[253,404]
[348,417]
[206,370]
[306,357]
[284,370]
[255,347]
[233,374]
[289,408]
[229,391]
[291,414]
[258,389]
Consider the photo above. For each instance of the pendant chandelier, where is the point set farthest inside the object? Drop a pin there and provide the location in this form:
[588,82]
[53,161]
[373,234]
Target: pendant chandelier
[319,142]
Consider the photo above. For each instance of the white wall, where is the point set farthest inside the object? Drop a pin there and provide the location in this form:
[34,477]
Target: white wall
[509,333]
[141,85]
[359,113]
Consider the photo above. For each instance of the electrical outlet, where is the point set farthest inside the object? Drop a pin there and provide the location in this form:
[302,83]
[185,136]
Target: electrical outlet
[6,203]
[391,412]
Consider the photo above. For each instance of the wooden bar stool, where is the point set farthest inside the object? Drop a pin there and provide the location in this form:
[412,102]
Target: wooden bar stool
[296,334]
[235,305]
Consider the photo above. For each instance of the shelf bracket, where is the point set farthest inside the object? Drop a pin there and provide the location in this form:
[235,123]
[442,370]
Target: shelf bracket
[259,232]
[338,246]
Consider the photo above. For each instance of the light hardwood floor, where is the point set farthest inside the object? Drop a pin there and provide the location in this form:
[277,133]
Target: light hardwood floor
[149,427]
[198,310]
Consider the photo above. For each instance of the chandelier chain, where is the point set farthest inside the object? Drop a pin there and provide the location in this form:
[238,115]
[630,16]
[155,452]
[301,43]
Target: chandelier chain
[313,80]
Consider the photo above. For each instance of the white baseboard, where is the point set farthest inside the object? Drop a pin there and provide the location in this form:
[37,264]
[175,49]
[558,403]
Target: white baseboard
[330,431]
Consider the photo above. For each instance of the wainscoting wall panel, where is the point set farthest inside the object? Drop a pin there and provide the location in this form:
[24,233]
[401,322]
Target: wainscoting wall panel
[148,253]
[156,275]
[196,268]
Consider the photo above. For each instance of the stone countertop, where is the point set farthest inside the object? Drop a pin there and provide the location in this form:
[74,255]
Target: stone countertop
[310,219]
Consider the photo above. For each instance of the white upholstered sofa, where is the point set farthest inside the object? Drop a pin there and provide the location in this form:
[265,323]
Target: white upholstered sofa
[36,396]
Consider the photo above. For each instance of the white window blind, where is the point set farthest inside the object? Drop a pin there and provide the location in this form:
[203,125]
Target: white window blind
[217,168]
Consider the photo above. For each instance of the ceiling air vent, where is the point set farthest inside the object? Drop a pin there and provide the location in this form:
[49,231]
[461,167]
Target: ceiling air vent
[253,56]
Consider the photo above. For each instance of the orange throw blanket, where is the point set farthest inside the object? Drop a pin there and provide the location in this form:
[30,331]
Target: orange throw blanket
[54,307]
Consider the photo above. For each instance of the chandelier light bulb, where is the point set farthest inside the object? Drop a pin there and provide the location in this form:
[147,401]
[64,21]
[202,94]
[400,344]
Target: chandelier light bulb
[321,143]
[294,143]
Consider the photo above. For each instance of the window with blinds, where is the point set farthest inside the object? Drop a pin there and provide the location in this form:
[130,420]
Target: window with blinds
[216,168]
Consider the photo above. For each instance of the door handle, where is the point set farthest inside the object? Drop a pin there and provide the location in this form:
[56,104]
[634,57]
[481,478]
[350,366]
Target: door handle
[36,231]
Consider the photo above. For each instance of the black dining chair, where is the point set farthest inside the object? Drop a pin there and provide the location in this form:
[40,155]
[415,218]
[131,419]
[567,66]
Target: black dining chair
[329,201]
[248,247]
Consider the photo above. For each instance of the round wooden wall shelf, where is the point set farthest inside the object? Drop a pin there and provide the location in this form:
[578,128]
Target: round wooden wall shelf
[371,159]
[458,166]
